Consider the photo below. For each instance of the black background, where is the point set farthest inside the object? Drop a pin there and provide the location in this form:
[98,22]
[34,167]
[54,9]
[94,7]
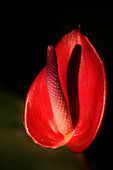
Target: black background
[26,31]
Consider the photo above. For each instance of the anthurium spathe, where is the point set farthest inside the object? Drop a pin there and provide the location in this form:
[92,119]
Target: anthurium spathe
[65,104]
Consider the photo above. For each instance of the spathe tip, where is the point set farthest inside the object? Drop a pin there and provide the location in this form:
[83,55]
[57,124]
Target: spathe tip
[79,28]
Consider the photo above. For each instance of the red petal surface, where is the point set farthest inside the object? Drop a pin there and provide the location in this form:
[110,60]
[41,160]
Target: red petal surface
[82,82]
[64,49]
[91,87]
[38,116]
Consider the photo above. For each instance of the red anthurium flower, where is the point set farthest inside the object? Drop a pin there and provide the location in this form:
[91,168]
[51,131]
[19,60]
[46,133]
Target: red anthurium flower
[66,102]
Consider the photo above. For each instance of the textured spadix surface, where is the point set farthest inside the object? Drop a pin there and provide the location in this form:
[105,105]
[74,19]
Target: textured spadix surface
[65,104]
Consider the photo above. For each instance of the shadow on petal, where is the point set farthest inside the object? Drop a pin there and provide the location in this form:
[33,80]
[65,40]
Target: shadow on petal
[72,83]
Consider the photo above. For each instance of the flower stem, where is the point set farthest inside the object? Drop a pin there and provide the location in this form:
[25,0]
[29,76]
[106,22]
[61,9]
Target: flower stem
[82,160]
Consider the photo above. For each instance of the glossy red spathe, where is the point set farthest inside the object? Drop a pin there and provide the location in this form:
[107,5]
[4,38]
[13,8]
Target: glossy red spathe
[65,104]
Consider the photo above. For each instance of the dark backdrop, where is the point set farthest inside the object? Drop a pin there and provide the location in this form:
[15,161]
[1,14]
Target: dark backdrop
[25,34]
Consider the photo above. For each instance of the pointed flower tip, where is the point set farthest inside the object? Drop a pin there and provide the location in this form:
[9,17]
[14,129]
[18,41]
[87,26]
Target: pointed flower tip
[50,47]
[79,28]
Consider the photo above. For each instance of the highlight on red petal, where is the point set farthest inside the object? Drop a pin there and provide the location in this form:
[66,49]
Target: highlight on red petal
[66,101]
[38,116]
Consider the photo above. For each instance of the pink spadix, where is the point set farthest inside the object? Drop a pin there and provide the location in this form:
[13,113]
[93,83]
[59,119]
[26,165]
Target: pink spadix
[66,102]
